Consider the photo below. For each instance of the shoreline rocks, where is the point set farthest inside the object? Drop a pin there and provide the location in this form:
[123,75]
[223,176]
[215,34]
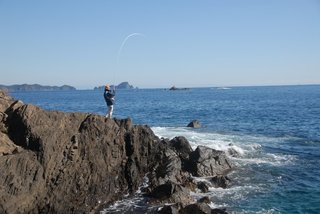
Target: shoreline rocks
[57,162]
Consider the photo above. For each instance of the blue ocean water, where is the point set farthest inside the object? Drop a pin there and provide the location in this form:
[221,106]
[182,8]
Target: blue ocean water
[275,130]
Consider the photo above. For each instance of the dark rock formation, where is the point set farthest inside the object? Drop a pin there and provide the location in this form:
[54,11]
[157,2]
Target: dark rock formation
[194,124]
[197,208]
[203,187]
[123,85]
[171,192]
[56,162]
[174,88]
[208,162]
[220,181]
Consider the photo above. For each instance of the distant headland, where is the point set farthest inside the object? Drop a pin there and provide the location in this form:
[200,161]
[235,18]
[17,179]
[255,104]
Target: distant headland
[36,87]
[123,85]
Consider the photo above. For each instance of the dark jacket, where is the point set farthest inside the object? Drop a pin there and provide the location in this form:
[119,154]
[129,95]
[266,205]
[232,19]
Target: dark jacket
[109,97]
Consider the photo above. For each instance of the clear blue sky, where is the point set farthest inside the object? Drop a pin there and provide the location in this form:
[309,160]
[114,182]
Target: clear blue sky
[185,43]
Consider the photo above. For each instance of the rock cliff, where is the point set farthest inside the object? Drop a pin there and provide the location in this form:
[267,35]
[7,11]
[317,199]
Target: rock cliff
[57,162]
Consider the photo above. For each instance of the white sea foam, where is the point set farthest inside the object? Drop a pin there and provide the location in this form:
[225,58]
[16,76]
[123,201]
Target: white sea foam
[253,163]
[244,149]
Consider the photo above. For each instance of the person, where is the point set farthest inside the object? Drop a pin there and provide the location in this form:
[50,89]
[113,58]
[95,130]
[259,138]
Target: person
[109,98]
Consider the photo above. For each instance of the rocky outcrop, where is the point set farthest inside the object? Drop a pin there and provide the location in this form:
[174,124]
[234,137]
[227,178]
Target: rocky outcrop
[122,85]
[174,88]
[194,124]
[57,162]
[208,162]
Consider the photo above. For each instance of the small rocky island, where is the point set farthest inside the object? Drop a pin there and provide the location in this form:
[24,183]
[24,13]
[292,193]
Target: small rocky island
[174,88]
[58,162]
[36,87]
[123,85]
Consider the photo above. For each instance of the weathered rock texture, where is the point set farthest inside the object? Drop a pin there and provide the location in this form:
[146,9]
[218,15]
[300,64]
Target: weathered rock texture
[56,162]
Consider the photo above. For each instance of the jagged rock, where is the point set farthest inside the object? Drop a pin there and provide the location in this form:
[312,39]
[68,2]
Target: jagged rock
[7,147]
[194,124]
[205,161]
[182,146]
[220,181]
[57,162]
[69,161]
[197,208]
[171,193]
[203,187]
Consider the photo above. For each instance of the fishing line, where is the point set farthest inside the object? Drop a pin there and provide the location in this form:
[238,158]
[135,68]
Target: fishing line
[120,50]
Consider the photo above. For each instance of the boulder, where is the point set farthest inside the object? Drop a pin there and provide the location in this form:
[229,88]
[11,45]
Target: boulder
[205,161]
[171,193]
[197,208]
[194,124]
[220,181]
[203,187]
[182,146]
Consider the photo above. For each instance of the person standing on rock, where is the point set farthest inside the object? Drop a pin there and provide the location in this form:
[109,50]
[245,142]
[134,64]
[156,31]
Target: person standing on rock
[109,98]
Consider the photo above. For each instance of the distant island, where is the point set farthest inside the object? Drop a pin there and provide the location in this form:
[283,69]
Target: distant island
[36,87]
[174,88]
[123,85]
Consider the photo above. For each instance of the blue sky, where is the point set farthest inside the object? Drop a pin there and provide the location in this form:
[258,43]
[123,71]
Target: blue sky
[184,43]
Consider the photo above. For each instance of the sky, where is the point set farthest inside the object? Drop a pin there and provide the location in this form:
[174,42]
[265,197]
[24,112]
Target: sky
[206,43]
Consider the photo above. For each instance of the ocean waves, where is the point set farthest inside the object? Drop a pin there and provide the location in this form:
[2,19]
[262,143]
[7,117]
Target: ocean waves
[260,167]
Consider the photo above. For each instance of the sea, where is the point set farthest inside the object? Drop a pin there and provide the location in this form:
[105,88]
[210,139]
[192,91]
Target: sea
[275,131]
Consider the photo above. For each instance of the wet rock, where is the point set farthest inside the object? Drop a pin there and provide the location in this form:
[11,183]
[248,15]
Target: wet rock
[203,187]
[197,208]
[171,193]
[220,181]
[182,146]
[194,124]
[205,161]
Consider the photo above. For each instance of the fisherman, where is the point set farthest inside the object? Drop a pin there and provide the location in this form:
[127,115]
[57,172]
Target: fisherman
[109,98]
